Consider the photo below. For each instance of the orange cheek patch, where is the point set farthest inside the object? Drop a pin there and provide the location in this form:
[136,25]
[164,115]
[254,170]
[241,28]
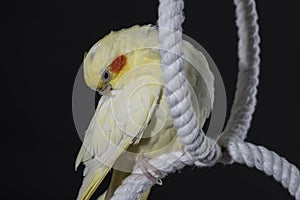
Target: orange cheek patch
[118,63]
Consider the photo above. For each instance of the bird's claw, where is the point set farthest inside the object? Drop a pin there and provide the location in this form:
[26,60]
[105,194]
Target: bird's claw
[145,167]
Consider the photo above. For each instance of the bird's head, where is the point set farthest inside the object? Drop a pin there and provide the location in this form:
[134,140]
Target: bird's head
[101,71]
[110,58]
[102,77]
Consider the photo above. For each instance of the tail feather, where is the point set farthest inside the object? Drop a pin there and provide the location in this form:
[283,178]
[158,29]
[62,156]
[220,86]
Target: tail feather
[94,173]
[102,196]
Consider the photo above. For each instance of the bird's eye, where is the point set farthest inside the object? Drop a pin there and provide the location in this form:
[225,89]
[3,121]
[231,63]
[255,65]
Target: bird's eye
[106,76]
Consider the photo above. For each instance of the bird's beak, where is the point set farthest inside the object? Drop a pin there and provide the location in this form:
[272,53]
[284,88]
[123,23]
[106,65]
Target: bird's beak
[105,90]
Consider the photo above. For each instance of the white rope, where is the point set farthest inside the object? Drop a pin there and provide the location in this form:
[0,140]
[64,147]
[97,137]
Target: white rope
[244,105]
[176,86]
[248,52]
[135,184]
[202,151]
[269,162]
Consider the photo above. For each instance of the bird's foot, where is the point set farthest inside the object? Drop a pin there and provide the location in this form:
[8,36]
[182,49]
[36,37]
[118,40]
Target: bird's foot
[146,168]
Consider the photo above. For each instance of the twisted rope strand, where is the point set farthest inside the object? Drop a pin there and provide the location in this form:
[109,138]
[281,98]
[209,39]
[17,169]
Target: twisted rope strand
[267,161]
[176,86]
[134,185]
[246,87]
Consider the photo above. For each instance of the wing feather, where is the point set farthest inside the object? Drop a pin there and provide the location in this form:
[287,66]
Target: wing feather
[119,121]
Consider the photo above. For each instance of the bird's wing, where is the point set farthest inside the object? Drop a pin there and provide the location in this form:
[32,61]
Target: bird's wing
[119,121]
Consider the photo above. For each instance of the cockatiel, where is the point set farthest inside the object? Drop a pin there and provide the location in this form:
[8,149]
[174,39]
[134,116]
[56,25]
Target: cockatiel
[132,120]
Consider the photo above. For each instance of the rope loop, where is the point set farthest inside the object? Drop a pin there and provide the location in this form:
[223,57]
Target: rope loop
[201,150]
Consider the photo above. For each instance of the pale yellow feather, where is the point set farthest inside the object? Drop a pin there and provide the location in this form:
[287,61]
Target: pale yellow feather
[111,131]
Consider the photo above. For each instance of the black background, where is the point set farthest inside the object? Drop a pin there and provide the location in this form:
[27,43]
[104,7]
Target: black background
[43,48]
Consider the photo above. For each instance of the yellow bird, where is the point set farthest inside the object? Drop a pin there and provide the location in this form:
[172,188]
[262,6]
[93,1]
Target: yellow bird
[132,121]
